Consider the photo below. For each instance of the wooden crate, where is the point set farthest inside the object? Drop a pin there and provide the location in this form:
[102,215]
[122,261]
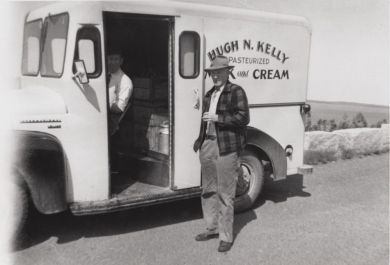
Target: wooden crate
[160,94]
[150,90]
[142,114]
[142,82]
[161,91]
[142,93]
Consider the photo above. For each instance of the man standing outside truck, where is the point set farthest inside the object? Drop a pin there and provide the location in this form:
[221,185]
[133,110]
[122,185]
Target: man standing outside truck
[221,139]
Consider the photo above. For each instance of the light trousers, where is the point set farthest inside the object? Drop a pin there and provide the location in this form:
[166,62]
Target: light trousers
[219,179]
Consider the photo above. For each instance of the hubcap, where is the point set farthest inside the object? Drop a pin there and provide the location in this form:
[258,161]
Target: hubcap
[243,183]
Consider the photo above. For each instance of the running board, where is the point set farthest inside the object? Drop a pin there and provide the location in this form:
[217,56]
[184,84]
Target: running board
[124,203]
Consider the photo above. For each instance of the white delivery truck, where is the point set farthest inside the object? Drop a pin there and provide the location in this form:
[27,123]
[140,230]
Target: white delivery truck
[65,155]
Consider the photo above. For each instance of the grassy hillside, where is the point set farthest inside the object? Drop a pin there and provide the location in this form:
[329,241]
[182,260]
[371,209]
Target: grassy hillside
[336,110]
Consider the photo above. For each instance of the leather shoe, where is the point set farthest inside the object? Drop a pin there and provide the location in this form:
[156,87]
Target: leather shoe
[205,236]
[224,246]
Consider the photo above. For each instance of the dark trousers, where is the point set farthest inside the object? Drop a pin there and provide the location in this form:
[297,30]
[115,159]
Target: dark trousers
[219,179]
[113,122]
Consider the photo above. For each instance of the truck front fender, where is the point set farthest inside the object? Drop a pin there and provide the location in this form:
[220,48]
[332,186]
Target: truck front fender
[271,148]
[40,164]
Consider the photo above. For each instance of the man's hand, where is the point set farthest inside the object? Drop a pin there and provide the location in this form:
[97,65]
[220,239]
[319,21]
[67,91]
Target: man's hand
[209,117]
[115,109]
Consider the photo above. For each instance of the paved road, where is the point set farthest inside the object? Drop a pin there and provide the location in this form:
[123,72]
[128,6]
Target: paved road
[337,215]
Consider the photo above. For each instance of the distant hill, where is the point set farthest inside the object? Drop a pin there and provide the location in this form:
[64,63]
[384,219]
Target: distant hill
[336,110]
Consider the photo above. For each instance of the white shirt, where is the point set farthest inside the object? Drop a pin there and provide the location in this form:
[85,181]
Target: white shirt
[214,100]
[213,109]
[120,89]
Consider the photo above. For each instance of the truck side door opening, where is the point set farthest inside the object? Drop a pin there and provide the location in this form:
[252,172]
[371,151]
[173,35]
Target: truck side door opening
[140,150]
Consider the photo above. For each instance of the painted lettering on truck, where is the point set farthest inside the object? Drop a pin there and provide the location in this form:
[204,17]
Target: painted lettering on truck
[261,48]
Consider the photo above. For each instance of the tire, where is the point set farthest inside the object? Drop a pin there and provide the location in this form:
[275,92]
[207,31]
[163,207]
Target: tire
[20,212]
[250,182]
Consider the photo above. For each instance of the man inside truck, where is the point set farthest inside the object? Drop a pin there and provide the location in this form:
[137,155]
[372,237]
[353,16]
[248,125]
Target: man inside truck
[120,88]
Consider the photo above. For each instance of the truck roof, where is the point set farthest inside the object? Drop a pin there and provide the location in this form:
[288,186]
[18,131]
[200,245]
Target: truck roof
[171,8]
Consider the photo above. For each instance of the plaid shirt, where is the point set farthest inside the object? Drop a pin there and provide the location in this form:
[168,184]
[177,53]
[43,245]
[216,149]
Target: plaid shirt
[233,116]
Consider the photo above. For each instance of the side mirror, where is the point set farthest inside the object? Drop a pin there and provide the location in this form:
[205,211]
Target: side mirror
[81,72]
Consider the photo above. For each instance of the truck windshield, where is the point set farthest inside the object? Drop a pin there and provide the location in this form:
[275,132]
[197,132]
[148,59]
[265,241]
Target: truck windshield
[44,46]
[54,37]
[31,47]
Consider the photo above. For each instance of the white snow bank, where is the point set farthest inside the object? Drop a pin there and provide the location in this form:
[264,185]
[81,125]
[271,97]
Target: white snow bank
[357,141]
[323,142]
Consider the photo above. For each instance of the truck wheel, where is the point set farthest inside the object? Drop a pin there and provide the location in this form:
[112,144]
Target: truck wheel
[20,212]
[250,182]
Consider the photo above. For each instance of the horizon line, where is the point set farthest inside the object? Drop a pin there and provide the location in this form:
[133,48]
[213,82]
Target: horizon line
[349,102]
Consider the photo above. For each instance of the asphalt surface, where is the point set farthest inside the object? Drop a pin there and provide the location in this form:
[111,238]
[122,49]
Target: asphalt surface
[337,215]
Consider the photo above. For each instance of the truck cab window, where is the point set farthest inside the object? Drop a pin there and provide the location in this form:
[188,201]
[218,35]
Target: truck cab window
[88,49]
[189,43]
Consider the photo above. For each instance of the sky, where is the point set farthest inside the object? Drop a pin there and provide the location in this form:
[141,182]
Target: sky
[349,58]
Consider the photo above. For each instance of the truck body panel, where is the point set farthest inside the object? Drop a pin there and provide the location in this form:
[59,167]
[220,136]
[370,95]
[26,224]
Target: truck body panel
[270,53]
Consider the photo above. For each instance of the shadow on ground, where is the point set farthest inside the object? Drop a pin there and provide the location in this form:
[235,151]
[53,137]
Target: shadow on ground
[67,227]
[281,190]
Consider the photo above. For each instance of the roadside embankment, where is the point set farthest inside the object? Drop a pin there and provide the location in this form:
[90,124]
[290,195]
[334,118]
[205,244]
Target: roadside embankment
[322,147]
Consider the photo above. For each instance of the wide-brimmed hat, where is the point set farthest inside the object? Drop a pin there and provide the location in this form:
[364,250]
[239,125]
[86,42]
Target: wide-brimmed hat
[220,62]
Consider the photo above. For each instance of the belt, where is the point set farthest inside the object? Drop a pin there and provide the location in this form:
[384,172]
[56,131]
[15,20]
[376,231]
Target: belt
[210,137]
